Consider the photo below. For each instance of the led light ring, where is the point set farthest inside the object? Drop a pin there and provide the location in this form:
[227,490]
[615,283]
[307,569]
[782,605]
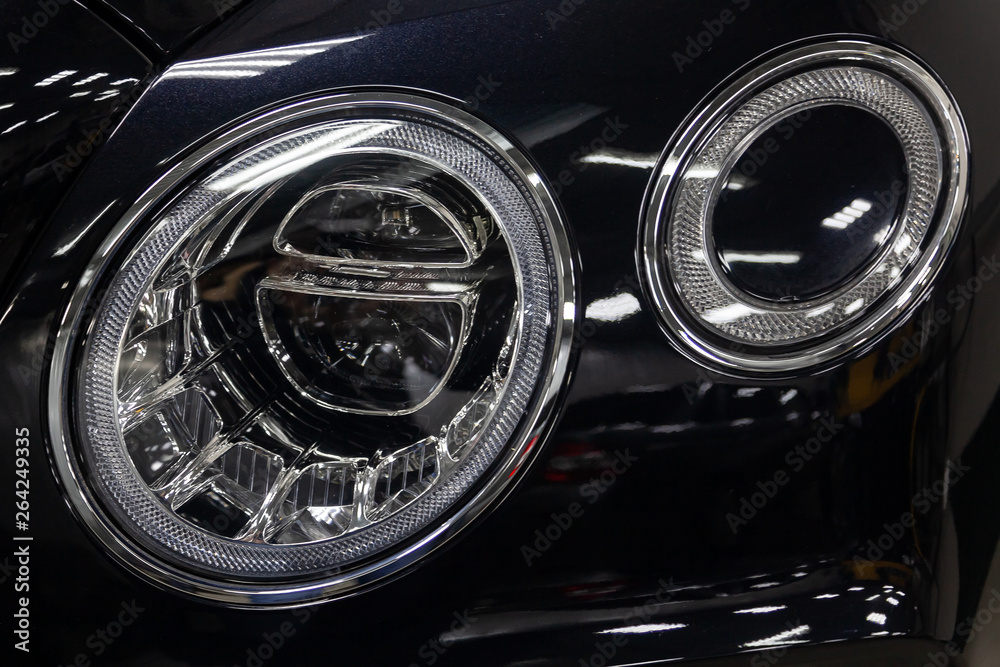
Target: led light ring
[539,251]
[703,286]
[688,283]
[136,505]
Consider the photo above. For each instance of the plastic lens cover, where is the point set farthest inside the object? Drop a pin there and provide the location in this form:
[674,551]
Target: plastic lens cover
[330,346]
[805,208]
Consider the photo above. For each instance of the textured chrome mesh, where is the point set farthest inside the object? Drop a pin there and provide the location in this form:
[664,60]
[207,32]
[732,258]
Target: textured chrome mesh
[187,479]
[713,300]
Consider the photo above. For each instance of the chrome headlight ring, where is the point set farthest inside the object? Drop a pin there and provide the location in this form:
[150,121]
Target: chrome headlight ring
[397,517]
[711,319]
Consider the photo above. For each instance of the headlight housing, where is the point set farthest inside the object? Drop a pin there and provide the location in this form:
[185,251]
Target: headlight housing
[741,286]
[324,342]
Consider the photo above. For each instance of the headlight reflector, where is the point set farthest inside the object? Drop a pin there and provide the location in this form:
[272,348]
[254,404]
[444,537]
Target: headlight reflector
[331,345]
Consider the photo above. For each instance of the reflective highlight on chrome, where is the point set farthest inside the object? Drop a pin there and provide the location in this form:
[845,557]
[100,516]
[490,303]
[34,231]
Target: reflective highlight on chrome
[316,350]
[694,283]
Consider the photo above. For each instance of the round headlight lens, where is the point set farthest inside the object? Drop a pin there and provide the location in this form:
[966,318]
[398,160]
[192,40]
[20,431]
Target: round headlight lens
[340,334]
[798,218]
[806,208]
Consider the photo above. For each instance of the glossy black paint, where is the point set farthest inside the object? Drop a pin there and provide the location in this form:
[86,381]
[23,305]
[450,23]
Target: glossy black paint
[66,80]
[570,81]
[167,25]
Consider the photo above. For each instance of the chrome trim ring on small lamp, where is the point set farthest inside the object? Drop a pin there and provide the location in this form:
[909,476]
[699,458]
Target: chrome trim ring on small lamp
[706,314]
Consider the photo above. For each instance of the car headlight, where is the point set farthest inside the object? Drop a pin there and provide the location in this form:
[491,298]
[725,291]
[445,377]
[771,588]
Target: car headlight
[321,344]
[806,208]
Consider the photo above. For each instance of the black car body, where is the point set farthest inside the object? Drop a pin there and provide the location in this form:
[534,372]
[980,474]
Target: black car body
[674,511]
